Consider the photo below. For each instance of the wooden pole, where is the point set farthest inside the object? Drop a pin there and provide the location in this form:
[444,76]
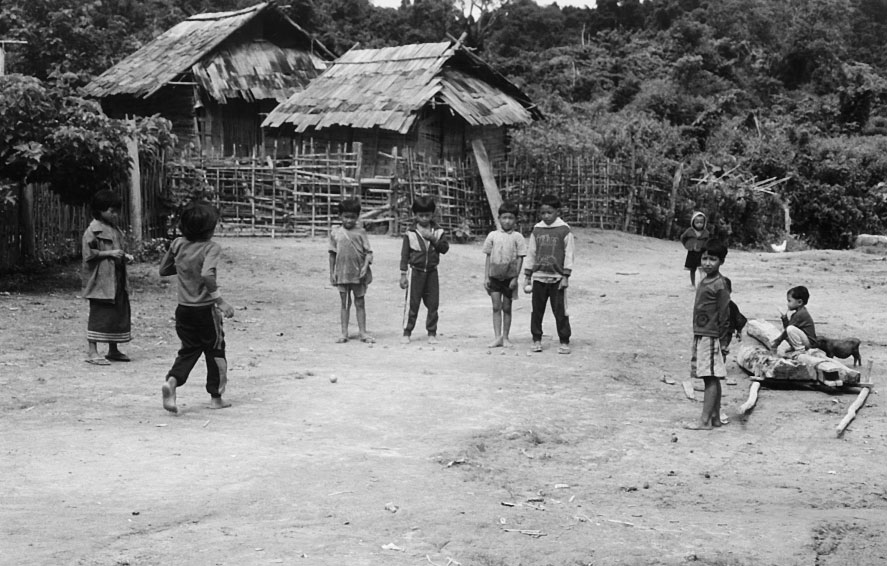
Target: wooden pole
[752,398]
[851,411]
[494,198]
[136,207]
[26,218]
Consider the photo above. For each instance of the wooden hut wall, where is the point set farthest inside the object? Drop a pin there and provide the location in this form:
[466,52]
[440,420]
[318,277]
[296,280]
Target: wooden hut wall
[234,128]
[428,134]
[175,103]
[494,138]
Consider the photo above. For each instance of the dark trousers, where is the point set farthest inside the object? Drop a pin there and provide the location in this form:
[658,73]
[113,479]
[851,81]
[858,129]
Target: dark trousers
[542,294]
[200,330]
[424,288]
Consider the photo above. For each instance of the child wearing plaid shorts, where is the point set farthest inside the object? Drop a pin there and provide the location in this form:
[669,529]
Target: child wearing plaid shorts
[711,334]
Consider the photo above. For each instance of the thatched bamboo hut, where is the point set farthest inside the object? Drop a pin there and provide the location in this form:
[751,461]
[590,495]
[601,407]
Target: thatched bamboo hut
[433,98]
[215,76]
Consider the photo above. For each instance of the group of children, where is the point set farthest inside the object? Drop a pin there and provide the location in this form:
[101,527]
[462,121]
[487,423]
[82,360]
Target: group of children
[713,324]
[547,268]
[546,264]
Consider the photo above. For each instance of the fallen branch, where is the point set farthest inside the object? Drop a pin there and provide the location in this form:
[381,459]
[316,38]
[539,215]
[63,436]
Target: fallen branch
[752,398]
[529,532]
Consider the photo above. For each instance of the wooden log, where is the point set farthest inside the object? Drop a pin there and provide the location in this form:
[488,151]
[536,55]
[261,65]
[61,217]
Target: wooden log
[762,331]
[851,411]
[487,177]
[827,370]
[752,398]
[762,364]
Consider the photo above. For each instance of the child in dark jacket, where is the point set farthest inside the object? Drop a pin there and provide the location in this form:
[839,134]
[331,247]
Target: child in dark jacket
[423,245]
[694,239]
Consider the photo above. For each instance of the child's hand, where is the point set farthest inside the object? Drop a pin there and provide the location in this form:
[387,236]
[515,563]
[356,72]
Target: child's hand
[403,281]
[363,270]
[226,309]
[115,254]
[513,283]
[129,258]
[564,283]
[333,280]
[487,284]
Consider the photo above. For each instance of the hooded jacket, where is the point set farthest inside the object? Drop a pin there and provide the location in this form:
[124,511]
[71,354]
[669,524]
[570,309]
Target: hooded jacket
[694,241]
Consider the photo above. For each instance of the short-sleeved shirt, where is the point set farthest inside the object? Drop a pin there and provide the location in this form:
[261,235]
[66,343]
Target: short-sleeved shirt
[351,248]
[504,249]
[196,264]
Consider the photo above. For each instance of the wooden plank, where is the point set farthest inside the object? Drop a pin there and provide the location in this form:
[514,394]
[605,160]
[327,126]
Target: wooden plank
[688,390]
[494,198]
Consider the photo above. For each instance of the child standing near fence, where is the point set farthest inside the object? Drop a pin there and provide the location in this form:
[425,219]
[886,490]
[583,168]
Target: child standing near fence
[549,266]
[105,282]
[694,239]
[194,258]
[505,249]
[711,334]
[350,259]
[422,247]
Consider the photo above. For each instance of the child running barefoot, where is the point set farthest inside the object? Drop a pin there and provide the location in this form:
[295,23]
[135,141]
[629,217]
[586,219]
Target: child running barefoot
[711,334]
[195,258]
[350,259]
[105,281]
[505,250]
[694,239]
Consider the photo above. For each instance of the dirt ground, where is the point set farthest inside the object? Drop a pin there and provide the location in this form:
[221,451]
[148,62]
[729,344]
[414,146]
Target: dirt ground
[444,455]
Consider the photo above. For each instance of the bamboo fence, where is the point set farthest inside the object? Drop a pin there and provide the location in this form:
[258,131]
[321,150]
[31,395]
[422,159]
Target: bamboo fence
[297,195]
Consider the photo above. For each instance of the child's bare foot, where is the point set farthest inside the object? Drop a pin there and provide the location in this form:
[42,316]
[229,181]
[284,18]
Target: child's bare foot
[506,343]
[432,339]
[404,339]
[169,395]
[497,343]
[696,425]
[218,403]
[367,339]
[341,339]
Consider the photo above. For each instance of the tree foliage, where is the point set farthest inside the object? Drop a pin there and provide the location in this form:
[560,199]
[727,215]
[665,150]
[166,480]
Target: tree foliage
[764,85]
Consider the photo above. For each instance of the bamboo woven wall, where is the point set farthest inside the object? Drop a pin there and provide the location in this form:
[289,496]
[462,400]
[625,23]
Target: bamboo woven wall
[57,229]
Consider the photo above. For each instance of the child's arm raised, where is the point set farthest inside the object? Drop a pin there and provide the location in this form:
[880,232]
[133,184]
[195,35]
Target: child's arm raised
[168,263]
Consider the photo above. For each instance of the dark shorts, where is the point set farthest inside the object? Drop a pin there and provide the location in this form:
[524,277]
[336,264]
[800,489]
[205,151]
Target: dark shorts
[502,286]
[694,259]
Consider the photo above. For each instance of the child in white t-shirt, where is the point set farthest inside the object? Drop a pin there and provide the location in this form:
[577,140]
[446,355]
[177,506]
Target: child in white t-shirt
[505,249]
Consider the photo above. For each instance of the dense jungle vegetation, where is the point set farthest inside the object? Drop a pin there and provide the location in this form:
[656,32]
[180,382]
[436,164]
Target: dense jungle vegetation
[761,88]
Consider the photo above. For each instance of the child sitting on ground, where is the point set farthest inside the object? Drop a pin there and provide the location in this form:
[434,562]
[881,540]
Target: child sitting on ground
[350,259]
[505,249]
[422,247]
[105,281]
[711,334]
[799,331]
[549,265]
[195,258]
[694,239]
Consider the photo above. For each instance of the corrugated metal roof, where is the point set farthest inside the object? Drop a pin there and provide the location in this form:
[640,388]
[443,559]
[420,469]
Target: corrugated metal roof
[186,45]
[386,88]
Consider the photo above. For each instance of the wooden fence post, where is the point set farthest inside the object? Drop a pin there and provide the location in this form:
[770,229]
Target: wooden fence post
[26,218]
[673,199]
[136,220]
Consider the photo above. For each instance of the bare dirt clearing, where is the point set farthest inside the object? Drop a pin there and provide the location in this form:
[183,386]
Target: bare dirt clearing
[452,452]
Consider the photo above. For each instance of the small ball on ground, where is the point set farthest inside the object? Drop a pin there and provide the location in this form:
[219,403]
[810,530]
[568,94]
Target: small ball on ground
[333,379]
